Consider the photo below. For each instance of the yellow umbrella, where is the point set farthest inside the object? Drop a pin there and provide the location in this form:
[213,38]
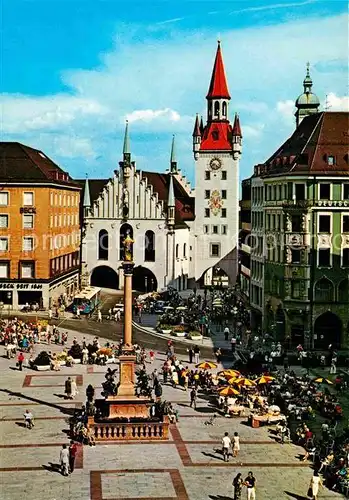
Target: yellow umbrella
[232,380]
[229,373]
[321,380]
[228,391]
[265,379]
[206,365]
[246,382]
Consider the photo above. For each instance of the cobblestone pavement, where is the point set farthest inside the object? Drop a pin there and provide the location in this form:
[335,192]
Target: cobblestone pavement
[187,467]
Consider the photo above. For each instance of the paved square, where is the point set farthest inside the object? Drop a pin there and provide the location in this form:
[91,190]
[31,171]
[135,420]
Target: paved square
[187,467]
[147,485]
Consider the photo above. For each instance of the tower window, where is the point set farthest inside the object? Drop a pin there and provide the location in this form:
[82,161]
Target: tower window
[207,194]
[215,229]
[216,108]
[224,229]
[224,194]
[224,109]
[224,212]
[207,212]
[224,175]
[215,250]
[205,228]
[207,175]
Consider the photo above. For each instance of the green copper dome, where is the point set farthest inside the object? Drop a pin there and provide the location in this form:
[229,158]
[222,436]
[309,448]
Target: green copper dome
[307,99]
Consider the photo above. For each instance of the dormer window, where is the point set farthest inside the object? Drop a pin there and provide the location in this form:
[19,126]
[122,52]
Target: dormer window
[215,135]
[331,160]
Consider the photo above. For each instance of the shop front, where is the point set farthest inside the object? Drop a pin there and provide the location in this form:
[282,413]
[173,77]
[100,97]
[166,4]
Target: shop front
[17,294]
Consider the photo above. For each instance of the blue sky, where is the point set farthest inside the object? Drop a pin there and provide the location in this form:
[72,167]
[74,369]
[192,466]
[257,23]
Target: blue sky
[74,70]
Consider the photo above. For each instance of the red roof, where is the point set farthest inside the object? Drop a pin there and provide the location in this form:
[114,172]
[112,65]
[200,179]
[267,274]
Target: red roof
[218,87]
[236,126]
[217,136]
[318,137]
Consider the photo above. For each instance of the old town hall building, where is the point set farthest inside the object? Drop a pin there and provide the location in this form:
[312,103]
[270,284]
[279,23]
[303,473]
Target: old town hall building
[182,237]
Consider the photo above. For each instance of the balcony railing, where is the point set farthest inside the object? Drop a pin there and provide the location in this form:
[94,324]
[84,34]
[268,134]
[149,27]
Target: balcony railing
[297,204]
[133,431]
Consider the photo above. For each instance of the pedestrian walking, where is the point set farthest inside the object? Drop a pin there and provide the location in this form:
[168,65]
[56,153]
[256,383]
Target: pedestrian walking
[20,359]
[226,445]
[250,482]
[226,333]
[193,396]
[238,484]
[64,460]
[99,316]
[233,343]
[333,367]
[73,449]
[197,354]
[151,356]
[67,387]
[236,444]
[314,486]
[28,418]
[50,314]
[190,354]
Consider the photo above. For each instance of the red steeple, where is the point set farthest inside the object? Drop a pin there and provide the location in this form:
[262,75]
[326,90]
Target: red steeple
[236,126]
[218,87]
[197,131]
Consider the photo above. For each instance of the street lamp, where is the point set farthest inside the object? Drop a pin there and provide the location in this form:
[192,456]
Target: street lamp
[146,284]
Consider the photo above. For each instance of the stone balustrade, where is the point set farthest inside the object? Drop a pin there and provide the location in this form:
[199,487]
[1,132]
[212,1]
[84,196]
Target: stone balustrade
[124,431]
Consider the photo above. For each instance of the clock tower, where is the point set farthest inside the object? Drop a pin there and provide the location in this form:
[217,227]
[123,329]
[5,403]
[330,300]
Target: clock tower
[217,148]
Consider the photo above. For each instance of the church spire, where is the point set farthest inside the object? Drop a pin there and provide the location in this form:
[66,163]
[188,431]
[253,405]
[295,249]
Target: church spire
[218,86]
[173,159]
[87,198]
[126,149]
[218,96]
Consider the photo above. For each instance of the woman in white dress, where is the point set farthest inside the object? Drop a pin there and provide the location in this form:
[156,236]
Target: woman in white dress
[236,444]
[74,389]
[315,483]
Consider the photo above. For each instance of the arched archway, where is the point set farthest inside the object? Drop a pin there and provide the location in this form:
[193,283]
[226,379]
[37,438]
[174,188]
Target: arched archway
[144,280]
[125,229]
[103,245]
[324,290]
[343,291]
[328,330]
[105,277]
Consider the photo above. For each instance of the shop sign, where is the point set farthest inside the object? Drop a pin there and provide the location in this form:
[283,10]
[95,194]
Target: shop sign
[20,286]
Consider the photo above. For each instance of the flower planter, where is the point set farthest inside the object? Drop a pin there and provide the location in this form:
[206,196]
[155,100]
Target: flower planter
[179,334]
[195,337]
[166,331]
[42,368]
[62,363]
[76,361]
[110,360]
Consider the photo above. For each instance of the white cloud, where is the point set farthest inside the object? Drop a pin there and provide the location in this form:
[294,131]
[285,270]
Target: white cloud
[286,108]
[149,115]
[336,103]
[22,113]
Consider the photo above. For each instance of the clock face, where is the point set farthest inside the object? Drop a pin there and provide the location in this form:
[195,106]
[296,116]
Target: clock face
[215,164]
